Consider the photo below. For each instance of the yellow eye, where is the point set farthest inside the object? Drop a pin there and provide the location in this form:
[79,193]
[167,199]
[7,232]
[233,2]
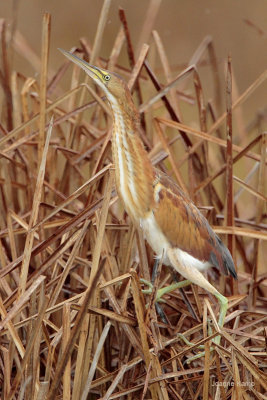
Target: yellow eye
[107,77]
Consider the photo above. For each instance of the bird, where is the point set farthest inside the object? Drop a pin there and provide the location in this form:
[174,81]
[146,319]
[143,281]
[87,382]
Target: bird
[176,230]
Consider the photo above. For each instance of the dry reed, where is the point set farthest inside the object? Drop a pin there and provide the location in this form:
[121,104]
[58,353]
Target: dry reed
[74,320]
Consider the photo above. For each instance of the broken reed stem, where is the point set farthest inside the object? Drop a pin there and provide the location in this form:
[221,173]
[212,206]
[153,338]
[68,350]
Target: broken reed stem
[97,44]
[230,219]
[5,76]
[260,203]
[229,156]
[131,57]
[100,30]
[151,15]
[65,338]
[43,82]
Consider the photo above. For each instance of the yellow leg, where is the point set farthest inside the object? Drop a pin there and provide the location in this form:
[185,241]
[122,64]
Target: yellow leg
[164,290]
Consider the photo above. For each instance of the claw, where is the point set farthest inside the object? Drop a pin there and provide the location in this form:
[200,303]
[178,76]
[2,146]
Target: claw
[188,343]
[150,288]
[147,283]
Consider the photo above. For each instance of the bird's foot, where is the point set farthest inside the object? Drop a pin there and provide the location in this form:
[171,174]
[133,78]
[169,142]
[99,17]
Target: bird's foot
[187,342]
[201,347]
[165,290]
[202,353]
[216,340]
[149,289]
[159,310]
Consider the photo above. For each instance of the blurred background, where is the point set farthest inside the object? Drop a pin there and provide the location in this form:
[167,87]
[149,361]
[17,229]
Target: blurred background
[237,28]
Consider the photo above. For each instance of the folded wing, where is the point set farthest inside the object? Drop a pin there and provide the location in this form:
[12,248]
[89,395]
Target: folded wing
[186,228]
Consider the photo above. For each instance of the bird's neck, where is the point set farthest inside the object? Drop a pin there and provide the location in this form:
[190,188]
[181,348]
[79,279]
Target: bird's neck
[133,168]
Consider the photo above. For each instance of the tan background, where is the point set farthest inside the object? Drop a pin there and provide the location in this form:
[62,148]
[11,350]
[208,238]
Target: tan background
[182,24]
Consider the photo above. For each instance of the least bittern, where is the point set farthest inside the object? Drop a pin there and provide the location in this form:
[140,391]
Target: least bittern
[173,226]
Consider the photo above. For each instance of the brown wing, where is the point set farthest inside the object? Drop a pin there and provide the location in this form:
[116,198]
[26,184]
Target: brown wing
[186,228]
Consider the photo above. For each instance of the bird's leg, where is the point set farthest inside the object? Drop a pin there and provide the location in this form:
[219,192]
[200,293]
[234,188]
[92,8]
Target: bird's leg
[148,291]
[171,288]
[161,313]
[195,276]
[164,290]
[223,309]
[155,270]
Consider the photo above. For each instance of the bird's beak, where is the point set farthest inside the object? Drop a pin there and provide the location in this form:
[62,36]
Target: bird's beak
[91,70]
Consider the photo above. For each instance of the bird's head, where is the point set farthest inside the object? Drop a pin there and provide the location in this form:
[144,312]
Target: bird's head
[113,85]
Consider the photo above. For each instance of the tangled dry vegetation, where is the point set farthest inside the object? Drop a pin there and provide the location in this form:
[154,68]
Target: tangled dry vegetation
[74,321]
